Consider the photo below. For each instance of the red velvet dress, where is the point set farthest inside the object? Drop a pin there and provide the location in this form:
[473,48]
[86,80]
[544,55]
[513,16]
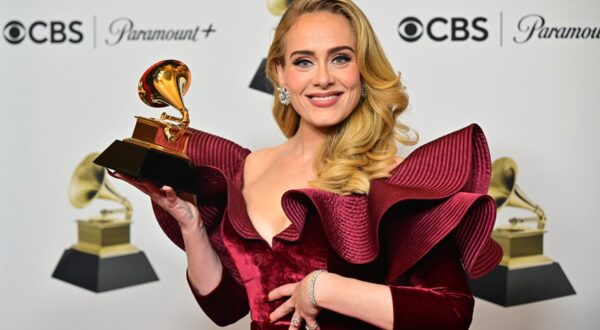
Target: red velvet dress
[421,232]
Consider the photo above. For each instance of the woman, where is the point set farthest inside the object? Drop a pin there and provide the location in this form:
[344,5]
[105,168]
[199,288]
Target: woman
[330,229]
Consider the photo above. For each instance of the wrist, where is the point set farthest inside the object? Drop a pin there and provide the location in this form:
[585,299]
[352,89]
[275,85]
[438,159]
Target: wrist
[193,231]
[316,287]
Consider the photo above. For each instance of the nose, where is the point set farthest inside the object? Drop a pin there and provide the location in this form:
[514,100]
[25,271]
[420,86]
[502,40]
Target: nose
[323,77]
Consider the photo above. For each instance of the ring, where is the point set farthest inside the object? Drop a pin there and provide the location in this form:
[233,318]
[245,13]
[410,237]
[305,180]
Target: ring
[312,327]
[295,322]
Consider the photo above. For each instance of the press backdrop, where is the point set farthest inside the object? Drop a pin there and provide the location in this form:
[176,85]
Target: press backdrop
[68,79]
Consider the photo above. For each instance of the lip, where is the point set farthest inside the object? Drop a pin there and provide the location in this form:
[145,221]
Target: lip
[325,99]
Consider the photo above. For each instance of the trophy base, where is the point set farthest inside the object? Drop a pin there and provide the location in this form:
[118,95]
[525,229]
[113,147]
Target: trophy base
[259,81]
[510,287]
[139,161]
[97,274]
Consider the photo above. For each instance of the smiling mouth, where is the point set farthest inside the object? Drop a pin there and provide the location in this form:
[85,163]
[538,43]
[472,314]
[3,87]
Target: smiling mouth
[323,100]
[324,96]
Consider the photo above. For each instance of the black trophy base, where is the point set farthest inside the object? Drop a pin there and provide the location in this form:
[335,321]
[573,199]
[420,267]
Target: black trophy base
[510,287]
[260,81]
[158,167]
[103,274]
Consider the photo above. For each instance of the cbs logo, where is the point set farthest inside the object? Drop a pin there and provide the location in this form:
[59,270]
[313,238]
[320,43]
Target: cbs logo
[55,32]
[440,29]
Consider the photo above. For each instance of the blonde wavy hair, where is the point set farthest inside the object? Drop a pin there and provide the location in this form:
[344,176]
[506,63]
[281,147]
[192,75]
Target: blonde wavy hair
[351,155]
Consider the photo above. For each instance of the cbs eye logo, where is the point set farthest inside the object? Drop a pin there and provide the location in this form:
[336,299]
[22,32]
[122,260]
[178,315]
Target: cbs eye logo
[411,29]
[14,32]
[55,32]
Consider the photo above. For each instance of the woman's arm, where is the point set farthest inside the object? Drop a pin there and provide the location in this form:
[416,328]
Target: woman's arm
[433,294]
[209,280]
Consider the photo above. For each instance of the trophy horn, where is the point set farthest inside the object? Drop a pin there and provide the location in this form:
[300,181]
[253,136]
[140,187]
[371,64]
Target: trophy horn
[164,84]
[89,182]
[505,191]
[278,7]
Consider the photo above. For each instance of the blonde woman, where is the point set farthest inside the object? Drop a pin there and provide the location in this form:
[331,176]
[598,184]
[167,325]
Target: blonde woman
[330,230]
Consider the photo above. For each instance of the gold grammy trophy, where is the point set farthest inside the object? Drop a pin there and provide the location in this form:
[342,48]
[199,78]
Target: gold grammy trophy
[103,258]
[525,274]
[158,146]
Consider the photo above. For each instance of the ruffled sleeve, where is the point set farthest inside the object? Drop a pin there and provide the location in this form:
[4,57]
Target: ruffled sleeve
[438,191]
[430,223]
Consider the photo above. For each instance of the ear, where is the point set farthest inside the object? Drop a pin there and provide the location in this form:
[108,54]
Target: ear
[280,74]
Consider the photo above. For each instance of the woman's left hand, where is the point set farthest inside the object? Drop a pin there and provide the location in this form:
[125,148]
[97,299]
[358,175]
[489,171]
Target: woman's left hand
[299,303]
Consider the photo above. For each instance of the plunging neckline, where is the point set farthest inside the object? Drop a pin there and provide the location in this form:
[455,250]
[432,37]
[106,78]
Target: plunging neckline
[246,214]
[291,227]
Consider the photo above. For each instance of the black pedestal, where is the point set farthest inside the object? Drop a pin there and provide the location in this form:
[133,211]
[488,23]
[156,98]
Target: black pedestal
[158,167]
[260,81]
[102,274]
[510,287]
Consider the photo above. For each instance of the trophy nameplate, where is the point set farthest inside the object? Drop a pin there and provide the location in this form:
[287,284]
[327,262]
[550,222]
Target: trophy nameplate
[157,149]
[103,258]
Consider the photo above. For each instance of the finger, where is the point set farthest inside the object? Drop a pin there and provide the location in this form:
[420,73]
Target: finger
[296,321]
[141,185]
[169,193]
[311,323]
[281,311]
[285,290]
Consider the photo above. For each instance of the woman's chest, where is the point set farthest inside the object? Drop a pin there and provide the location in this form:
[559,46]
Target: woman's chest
[263,191]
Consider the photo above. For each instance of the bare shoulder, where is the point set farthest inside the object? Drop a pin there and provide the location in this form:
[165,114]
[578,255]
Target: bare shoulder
[261,155]
[259,160]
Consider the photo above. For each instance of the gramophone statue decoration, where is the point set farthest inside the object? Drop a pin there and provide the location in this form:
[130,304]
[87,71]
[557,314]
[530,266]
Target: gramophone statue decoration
[103,258]
[525,274]
[157,149]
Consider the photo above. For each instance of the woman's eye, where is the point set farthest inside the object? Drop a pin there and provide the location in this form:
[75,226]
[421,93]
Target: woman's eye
[302,63]
[341,59]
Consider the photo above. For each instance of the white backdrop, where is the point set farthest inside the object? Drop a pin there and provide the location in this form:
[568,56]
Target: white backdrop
[537,102]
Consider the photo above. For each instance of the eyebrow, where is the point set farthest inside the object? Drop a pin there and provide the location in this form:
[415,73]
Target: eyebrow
[331,51]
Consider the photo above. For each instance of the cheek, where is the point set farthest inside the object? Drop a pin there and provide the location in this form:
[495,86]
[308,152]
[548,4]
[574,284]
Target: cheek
[296,82]
[351,78]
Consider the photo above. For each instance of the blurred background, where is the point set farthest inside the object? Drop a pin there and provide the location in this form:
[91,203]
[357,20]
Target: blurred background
[69,79]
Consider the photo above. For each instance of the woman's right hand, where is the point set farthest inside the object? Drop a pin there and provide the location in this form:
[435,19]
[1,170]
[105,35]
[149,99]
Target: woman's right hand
[182,208]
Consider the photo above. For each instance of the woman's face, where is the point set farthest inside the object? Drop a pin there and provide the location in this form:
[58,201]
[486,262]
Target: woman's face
[320,69]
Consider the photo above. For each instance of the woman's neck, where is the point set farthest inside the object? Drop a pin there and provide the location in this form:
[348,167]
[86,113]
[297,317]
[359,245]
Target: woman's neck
[306,142]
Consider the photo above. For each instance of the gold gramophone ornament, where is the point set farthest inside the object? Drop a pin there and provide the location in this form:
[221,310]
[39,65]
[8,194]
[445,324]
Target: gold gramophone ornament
[157,149]
[103,257]
[525,274]
[278,7]
[523,245]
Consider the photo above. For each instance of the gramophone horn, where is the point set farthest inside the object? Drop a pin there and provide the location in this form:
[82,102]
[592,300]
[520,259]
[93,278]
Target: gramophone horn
[163,84]
[278,7]
[506,192]
[89,182]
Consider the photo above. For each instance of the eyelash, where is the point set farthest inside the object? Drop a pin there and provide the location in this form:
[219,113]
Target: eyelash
[301,62]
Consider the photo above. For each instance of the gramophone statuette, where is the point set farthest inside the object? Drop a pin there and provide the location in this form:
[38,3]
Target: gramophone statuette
[103,257]
[525,274]
[157,149]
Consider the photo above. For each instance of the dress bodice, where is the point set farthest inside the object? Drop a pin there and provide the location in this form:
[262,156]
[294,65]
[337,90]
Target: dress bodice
[392,236]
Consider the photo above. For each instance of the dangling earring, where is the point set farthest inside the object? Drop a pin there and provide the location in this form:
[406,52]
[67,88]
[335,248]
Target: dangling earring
[284,95]
[363,91]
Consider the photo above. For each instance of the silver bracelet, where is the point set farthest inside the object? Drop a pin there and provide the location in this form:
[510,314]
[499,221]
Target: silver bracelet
[313,279]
